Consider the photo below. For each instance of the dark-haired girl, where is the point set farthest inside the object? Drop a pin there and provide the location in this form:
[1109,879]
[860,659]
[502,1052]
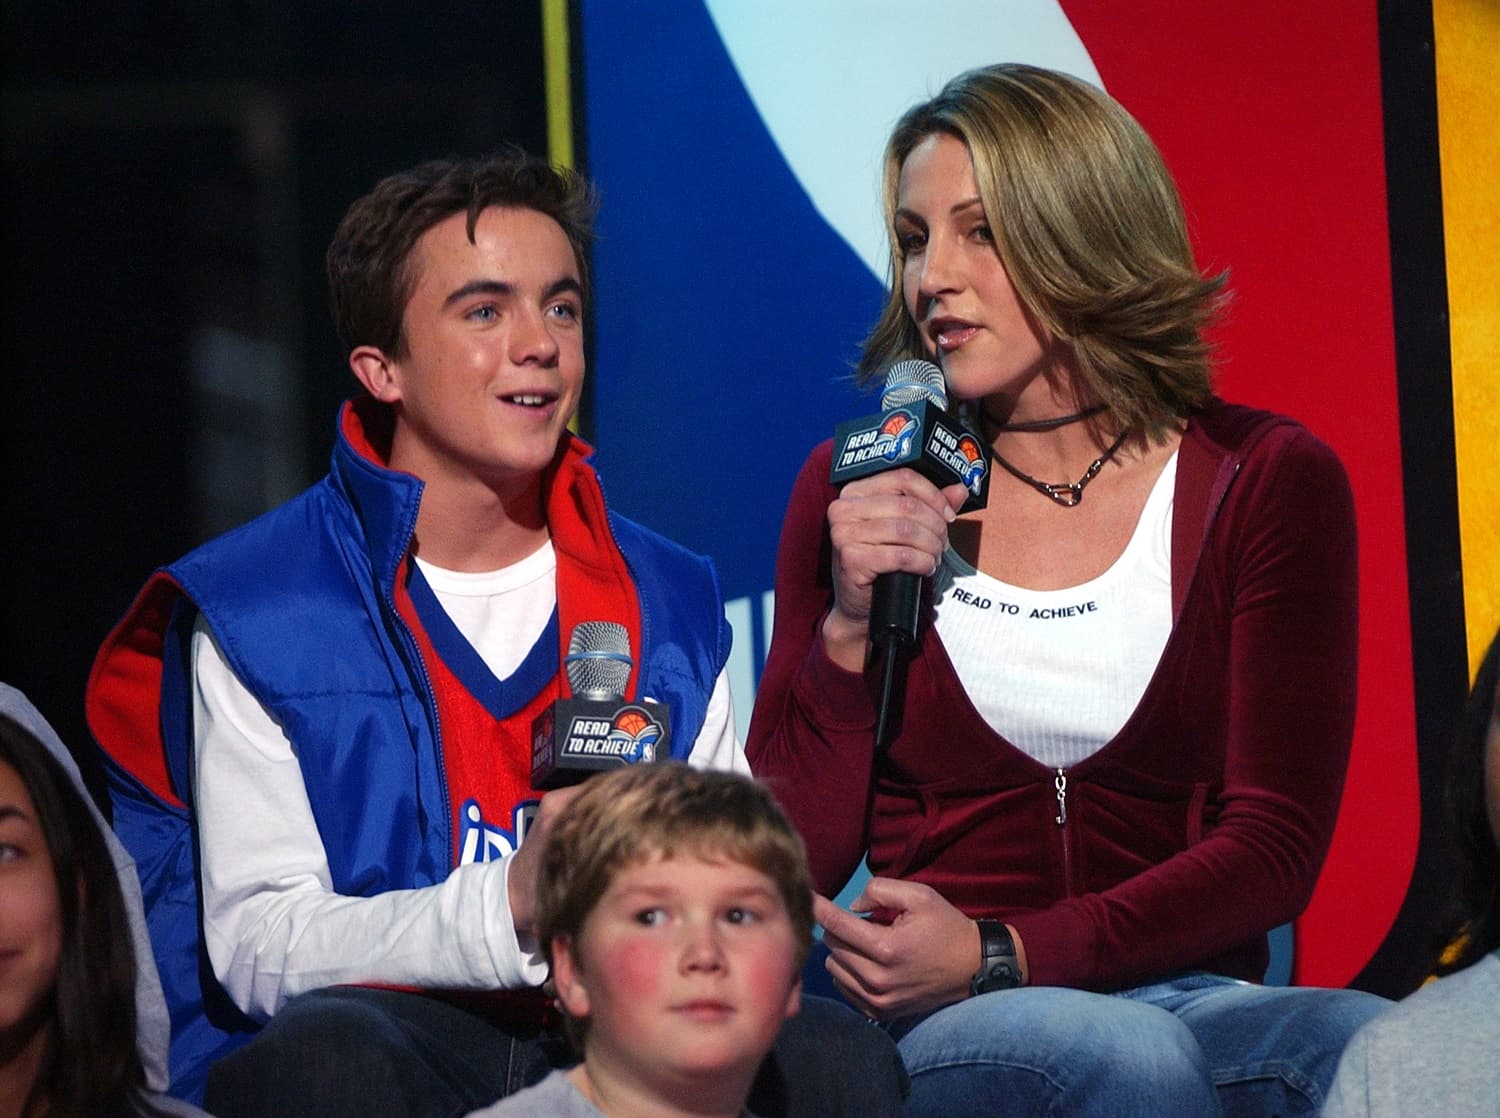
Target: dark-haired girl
[83,1030]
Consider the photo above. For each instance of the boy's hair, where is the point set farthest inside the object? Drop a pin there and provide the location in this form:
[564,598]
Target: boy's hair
[1089,227]
[369,265]
[662,810]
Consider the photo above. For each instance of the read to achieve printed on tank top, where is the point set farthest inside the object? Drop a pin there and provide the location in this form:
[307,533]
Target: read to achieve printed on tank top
[1084,607]
[1135,589]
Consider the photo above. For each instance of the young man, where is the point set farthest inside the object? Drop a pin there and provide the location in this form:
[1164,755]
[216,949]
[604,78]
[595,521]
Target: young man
[319,725]
[676,909]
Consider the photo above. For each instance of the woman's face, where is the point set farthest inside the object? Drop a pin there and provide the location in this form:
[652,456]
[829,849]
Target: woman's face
[953,283]
[31,932]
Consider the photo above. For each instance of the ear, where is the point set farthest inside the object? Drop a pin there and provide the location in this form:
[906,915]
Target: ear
[378,373]
[567,978]
[794,999]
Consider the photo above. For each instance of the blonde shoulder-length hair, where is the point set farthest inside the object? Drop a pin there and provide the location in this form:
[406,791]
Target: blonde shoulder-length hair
[1089,226]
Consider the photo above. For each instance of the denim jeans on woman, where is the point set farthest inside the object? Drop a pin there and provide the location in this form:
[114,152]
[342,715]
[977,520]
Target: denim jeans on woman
[1200,1044]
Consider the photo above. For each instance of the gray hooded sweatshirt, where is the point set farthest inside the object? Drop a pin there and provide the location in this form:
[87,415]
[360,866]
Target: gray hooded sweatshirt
[153,1028]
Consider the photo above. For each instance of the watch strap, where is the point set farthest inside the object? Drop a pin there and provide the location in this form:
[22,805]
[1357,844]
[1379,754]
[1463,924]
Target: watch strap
[999,969]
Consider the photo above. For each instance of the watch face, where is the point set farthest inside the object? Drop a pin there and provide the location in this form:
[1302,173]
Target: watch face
[996,976]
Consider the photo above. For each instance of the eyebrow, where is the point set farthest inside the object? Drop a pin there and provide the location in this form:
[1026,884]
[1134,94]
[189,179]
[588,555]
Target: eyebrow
[654,892]
[902,213]
[502,290]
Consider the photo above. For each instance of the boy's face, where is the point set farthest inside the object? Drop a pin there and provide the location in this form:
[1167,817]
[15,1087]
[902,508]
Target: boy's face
[494,339]
[686,969]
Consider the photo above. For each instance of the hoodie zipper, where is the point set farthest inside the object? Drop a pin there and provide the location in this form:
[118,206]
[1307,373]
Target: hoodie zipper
[1060,790]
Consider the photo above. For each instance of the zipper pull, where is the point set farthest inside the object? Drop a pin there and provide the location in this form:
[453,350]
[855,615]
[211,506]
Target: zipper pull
[1061,784]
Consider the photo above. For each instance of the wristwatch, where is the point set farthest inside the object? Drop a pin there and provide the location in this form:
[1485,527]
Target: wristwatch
[998,967]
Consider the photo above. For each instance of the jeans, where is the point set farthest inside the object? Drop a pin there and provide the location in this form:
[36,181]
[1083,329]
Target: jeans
[351,1052]
[1199,1044]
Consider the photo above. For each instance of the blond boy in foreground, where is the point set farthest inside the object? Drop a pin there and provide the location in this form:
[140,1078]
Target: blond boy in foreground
[676,910]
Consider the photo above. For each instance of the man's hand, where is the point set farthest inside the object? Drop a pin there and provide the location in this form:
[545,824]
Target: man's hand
[525,866]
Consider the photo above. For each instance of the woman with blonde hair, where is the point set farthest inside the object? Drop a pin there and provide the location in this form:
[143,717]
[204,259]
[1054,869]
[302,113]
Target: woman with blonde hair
[1129,704]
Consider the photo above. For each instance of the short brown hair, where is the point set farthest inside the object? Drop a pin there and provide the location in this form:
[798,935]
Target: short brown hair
[1089,227]
[640,812]
[369,262]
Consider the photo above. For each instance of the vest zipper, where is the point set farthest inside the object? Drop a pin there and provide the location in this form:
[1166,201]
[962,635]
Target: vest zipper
[415,652]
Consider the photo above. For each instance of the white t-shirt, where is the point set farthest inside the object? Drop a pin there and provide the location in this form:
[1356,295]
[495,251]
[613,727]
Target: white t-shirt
[273,925]
[1058,672]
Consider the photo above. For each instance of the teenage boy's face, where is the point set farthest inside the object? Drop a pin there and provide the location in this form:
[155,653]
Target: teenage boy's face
[494,337]
[686,969]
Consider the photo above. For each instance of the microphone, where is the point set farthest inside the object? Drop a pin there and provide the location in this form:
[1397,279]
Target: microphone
[913,429]
[595,729]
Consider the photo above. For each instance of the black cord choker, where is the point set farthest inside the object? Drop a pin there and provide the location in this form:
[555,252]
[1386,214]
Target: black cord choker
[1044,424]
[1068,496]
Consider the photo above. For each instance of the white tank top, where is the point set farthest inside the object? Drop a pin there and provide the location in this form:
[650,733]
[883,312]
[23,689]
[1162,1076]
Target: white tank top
[1058,672]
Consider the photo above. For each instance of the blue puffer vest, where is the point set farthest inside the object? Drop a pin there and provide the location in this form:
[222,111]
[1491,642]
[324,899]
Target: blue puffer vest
[301,601]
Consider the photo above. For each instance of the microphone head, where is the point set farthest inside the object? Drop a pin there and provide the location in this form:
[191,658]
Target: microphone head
[912,381]
[598,662]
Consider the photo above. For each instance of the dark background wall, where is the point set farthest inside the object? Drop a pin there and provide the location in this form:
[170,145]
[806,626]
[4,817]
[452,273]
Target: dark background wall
[172,175]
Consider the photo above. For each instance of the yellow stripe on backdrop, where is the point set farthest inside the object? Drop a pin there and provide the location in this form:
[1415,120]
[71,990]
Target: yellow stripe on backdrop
[557,73]
[558,69]
[1467,35]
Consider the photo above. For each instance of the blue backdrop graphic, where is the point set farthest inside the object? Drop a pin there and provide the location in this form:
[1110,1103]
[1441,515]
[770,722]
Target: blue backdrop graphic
[736,147]
[728,312]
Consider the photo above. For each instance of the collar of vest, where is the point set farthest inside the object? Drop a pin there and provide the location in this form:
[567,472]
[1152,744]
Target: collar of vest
[386,502]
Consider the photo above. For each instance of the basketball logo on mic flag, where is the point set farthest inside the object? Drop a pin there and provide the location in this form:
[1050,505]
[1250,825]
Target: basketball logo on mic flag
[975,466]
[896,434]
[632,738]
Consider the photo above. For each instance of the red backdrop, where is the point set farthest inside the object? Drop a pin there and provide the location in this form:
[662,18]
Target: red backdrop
[1270,117]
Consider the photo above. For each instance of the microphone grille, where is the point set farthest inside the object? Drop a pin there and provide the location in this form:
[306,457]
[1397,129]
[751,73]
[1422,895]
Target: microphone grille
[598,662]
[912,381]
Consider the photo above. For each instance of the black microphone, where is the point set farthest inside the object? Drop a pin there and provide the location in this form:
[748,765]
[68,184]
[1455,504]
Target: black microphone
[595,729]
[913,429]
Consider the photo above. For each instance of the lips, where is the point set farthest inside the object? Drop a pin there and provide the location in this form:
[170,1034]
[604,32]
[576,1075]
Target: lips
[950,333]
[705,1010]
